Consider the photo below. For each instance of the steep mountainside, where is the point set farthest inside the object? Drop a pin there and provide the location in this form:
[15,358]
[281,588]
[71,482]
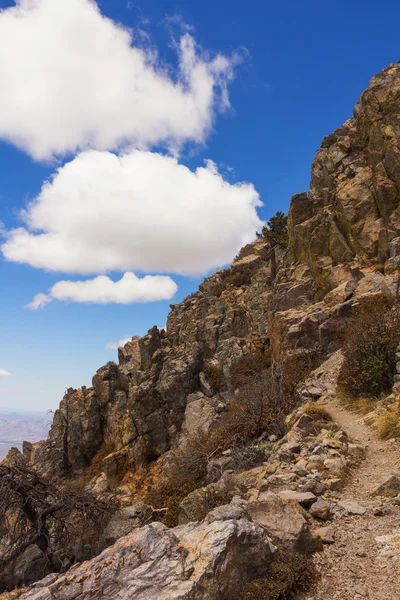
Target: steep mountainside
[280,307]
[344,241]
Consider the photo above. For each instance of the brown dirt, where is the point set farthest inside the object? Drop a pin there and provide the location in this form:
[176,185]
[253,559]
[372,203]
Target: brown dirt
[353,567]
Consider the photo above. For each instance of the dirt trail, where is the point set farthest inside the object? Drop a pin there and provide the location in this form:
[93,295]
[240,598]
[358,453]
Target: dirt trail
[356,566]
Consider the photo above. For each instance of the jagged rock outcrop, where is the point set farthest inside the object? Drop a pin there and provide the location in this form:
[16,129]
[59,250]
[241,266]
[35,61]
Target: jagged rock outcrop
[352,209]
[344,242]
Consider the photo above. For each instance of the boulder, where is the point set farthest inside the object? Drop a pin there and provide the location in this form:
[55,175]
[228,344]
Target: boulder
[125,521]
[211,561]
[283,520]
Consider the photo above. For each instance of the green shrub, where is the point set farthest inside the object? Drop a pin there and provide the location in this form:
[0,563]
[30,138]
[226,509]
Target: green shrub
[369,349]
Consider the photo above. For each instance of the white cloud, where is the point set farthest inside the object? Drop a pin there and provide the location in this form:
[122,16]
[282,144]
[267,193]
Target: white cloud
[103,290]
[72,79]
[141,211]
[116,345]
[4,373]
[39,301]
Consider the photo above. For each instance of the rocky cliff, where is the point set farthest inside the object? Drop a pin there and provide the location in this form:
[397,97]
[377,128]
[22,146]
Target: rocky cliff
[344,241]
[276,301]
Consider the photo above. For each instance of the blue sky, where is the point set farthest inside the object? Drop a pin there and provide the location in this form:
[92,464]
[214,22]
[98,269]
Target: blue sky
[300,70]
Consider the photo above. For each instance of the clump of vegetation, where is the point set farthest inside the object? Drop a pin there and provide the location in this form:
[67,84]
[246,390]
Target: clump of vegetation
[362,404]
[388,423]
[260,405]
[247,457]
[168,493]
[239,276]
[317,412]
[276,231]
[290,572]
[250,365]
[215,377]
[370,347]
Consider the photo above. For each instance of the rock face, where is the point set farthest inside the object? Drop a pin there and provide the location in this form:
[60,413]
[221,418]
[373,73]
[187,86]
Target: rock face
[344,243]
[352,209]
[210,561]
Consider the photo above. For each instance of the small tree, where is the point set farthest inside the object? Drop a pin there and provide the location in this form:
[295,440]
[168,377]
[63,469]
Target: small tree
[276,231]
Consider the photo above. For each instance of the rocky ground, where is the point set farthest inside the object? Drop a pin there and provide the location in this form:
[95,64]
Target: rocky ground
[311,491]
[329,488]
[364,560]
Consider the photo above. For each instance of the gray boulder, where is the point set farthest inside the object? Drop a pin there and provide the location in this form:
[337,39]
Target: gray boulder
[211,561]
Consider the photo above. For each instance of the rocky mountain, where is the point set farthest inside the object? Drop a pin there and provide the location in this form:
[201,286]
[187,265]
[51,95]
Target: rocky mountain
[344,241]
[284,303]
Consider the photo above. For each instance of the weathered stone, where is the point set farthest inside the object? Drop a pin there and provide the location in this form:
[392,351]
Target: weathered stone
[389,546]
[390,487]
[321,510]
[115,465]
[305,499]
[205,385]
[352,507]
[125,521]
[283,520]
[326,534]
[206,562]
[333,484]
[291,447]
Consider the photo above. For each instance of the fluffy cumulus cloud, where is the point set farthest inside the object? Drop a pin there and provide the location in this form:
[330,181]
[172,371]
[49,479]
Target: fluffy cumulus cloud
[71,79]
[103,290]
[141,211]
[4,373]
[116,345]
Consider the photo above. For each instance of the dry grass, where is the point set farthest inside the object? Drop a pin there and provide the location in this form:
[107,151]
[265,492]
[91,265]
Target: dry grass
[362,405]
[291,572]
[94,470]
[168,493]
[215,376]
[249,366]
[317,412]
[388,423]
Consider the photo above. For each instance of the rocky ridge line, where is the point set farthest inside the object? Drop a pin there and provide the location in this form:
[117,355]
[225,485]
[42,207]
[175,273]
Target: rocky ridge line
[344,244]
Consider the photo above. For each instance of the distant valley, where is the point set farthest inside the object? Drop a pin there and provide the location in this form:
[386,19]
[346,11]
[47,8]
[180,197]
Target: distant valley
[15,427]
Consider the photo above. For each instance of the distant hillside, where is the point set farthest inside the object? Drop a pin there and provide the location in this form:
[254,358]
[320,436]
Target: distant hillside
[15,427]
